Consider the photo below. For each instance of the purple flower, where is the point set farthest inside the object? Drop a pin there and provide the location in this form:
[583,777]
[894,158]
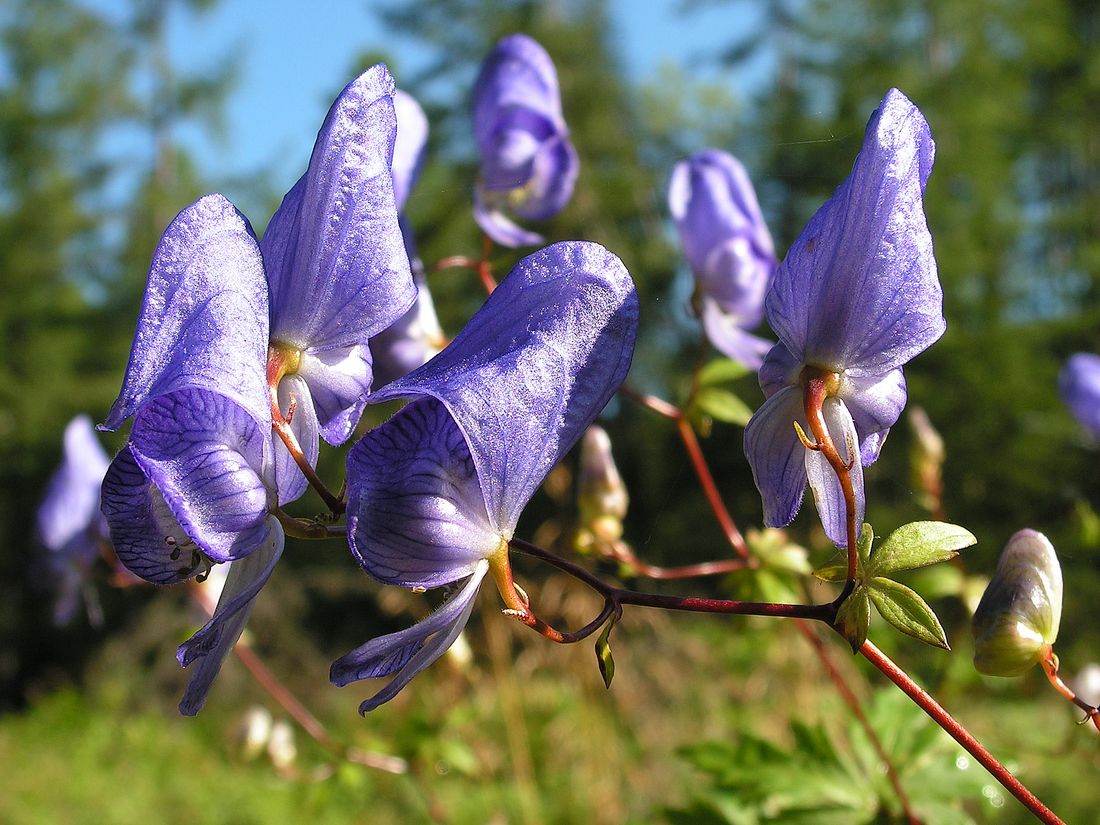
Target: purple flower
[528,165]
[1079,383]
[226,323]
[435,493]
[728,247]
[856,297]
[416,336]
[70,526]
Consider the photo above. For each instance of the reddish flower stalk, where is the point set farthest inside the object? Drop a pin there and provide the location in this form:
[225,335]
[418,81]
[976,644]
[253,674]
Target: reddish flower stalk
[302,715]
[699,463]
[276,368]
[941,717]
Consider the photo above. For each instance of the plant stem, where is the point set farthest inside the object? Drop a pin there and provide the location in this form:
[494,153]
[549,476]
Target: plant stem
[301,714]
[850,698]
[699,464]
[941,717]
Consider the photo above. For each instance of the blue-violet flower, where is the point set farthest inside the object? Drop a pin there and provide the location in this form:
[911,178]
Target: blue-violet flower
[435,493]
[856,297]
[728,247]
[70,526]
[232,331]
[1079,383]
[528,165]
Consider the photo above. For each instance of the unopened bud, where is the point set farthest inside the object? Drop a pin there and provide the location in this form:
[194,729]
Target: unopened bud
[1017,619]
[253,733]
[926,459]
[601,492]
[281,747]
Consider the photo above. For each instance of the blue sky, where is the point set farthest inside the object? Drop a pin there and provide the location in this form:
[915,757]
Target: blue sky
[295,54]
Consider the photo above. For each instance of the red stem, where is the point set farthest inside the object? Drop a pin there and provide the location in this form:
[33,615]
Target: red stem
[699,463]
[850,698]
[960,734]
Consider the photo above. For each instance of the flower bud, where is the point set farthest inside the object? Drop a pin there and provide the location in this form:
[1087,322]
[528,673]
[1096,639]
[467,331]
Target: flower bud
[280,747]
[1017,618]
[253,732]
[601,494]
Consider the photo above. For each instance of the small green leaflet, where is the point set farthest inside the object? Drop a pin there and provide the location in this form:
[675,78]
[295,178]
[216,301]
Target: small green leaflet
[721,405]
[721,371]
[912,546]
[603,655]
[907,611]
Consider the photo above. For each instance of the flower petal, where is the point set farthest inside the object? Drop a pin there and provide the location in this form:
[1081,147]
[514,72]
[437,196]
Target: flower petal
[502,229]
[1079,384]
[533,368]
[408,148]
[858,290]
[415,511]
[723,233]
[334,255]
[517,73]
[209,460]
[141,523]
[776,455]
[409,651]
[339,381]
[554,171]
[204,317]
[70,507]
[216,638]
[828,495]
[875,403]
[411,341]
[728,337]
[780,369]
[289,480]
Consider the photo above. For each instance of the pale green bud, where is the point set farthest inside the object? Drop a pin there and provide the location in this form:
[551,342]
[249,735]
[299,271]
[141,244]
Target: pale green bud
[1017,619]
[600,489]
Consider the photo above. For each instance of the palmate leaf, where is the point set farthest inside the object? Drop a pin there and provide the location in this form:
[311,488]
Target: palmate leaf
[833,775]
[903,607]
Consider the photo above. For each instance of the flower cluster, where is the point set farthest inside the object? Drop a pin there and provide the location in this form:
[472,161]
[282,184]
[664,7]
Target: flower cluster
[236,335]
[250,351]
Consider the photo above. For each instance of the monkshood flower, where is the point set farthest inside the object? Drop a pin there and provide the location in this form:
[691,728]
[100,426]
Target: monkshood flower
[336,274]
[416,336]
[728,247]
[195,484]
[1079,383]
[528,165]
[435,493]
[233,332]
[70,526]
[856,298]
[1017,619]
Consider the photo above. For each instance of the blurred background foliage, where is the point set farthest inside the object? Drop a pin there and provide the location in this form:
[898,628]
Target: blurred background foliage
[705,711]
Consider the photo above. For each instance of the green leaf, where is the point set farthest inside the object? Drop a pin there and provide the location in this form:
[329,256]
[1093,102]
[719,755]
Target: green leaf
[854,618]
[919,544]
[835,572]
[838,571]
[603,655]
[721,371]
[863,544]
[907,611]
[722,405]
